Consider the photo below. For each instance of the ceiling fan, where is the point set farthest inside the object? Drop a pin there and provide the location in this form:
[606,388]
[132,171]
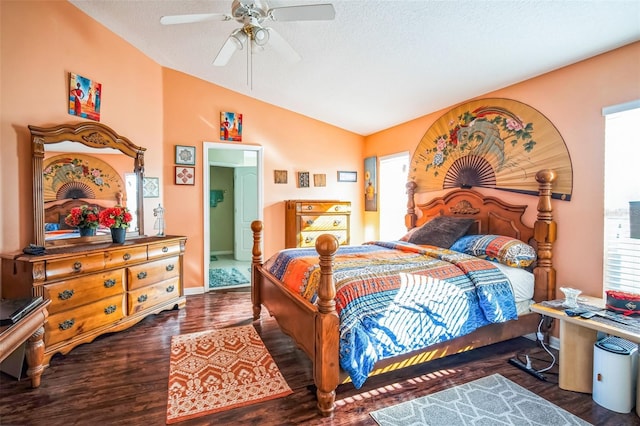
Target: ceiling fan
[253,35]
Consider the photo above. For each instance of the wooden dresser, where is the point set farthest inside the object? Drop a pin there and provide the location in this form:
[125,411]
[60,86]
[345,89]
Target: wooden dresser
[98,288]
[305,220]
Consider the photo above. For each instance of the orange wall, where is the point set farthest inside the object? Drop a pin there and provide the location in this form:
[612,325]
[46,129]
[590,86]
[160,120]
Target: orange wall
[41,42]
[572,98]
[157,108]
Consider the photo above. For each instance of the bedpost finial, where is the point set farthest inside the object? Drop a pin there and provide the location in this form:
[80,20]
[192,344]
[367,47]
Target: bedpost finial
[546,176]
[327,244]
[256,226]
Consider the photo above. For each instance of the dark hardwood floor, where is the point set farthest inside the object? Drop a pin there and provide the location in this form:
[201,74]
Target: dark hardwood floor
[121,379]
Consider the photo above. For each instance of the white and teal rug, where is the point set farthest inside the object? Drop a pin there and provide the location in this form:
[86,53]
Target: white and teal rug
[492,400]
[228,278]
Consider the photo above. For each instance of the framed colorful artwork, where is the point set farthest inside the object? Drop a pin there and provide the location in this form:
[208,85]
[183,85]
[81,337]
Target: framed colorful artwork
[347,176]
[231,126]
[320,179]
[185,175]
[151,187]
[370,186]
[280,176]
[85,96]
[303,179]
[186,155]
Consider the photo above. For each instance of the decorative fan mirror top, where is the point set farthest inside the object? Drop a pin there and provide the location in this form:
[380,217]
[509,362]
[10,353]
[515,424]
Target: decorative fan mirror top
[492,143]
[252,14]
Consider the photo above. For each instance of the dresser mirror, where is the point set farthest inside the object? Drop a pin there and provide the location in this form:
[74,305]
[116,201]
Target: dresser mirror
[83,164]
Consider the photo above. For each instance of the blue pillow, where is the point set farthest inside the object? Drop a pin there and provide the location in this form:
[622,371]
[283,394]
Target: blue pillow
[498,248]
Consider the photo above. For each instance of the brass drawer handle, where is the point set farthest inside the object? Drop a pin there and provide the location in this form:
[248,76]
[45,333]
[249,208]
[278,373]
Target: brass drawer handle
[65,325]
[126,256]
[142,275]
[142,298]
[170,267]
[337,208]
[66,295]
[337,222]
[165,249]
[109,283]
[170,289]
[77,266]
[110,309]
[308,240]
[310,222]
[309,207]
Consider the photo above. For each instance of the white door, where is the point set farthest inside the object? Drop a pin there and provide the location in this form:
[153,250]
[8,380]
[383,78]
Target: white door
[245,182]
[394,170]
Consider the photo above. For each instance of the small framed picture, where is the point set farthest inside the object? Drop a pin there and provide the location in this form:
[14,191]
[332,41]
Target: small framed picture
[186,155]
[280,176]
[151,187]
[185,175]
[347,176]
[303,179]
[320,180]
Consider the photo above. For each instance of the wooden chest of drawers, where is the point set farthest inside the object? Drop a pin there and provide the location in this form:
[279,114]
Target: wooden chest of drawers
[305,220]
[98,288]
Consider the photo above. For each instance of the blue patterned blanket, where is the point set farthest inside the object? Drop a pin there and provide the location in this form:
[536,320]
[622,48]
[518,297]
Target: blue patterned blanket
[394,297]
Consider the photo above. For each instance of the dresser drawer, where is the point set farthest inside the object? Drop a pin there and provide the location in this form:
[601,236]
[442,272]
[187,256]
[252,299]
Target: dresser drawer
[308,239]
[152,272]
[82,290]
[323,207]
[323,223]
[163,249]
[147,297]
[125,256]
[77,265]
[68,324]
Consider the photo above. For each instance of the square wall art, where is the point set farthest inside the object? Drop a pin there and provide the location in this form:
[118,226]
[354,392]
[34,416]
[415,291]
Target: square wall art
[231,126]
[185,175]
[85,96]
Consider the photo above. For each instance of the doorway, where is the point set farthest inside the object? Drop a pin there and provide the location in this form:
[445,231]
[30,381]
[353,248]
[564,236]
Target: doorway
[232,182]
[393,199]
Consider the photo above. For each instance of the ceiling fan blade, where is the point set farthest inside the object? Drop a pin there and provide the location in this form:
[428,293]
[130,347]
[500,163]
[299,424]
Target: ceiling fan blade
[190,19]
[280,45]
[311,12]
[227,50]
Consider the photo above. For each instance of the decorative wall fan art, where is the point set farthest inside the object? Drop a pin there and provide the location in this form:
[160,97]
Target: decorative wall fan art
[76,176]
[492,143]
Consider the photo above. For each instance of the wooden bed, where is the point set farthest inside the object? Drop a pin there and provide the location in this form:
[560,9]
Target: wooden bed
[314,328]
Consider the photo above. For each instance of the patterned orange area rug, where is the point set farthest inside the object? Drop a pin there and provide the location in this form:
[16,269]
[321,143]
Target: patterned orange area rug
[217,370]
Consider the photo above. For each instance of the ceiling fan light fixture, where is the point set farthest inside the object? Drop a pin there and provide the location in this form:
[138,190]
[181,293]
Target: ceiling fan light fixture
[239,37]
[260,36]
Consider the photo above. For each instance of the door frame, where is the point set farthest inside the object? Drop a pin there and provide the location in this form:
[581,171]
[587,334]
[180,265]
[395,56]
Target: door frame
[207,162]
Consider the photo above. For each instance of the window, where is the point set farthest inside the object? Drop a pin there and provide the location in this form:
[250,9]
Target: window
[393,195]
[622,198]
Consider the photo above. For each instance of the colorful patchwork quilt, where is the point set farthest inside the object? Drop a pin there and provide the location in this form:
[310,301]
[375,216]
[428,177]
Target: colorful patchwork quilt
[397,297]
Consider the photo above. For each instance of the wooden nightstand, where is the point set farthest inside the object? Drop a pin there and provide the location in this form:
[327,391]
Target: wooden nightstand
[31,329]
[577,337]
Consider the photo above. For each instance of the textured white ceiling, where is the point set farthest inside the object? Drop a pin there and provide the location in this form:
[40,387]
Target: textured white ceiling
[381,62]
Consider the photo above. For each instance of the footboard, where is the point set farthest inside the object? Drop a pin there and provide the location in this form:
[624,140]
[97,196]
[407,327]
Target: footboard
[313,328]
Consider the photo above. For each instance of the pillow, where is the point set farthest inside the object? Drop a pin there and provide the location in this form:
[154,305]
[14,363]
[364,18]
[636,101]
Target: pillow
[506,250]
[408,235]
[441,231]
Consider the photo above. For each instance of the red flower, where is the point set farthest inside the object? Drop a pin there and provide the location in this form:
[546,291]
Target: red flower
[83,217]
[115,217]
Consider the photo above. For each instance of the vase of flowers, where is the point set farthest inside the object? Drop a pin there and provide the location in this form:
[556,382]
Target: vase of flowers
[117,218]
[85,218]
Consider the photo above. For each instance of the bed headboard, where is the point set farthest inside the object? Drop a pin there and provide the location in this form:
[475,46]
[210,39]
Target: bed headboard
[491,215]
[494,216]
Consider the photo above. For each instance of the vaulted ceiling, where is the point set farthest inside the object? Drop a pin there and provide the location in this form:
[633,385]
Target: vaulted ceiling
[379,62]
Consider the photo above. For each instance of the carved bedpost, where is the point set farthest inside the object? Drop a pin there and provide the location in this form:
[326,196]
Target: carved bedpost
[256,261]
[326,365]
[410,218]
[545,235]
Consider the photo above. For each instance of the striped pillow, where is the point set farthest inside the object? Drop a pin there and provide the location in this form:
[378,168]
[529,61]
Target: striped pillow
[498,248]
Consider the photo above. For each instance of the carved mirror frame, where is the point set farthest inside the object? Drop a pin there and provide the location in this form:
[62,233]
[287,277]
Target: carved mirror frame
[94,135]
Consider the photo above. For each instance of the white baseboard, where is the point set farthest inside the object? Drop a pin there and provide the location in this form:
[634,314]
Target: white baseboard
[190,291]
